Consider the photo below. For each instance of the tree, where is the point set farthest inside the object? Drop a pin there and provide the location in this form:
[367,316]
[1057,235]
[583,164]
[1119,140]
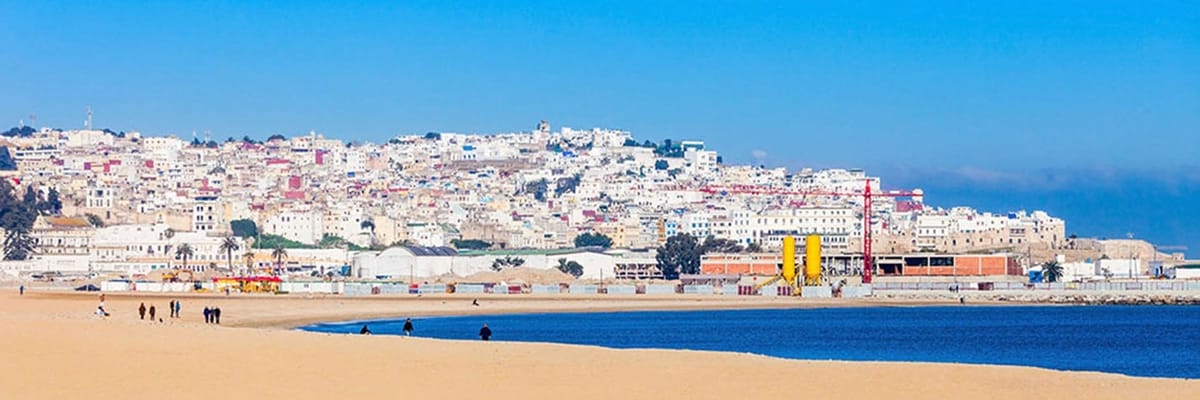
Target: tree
[229,245]
[1052,271]
[184,252]
[367,224]
[94,220]
[53,202]
[243,228]
[470,244]
[713,245]
[433,136]
[276,137]
[570,267]
[6,161]
[23,131]
[18,245]
[661,165]
[589,239]
[507,262]
[754,247]
[248,258]
[16,219]
[279,254]
[679,255]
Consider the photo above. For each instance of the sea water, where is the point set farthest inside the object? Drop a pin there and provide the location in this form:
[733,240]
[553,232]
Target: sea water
[1159,341]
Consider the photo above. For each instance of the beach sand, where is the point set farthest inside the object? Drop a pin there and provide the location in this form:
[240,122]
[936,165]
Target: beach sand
[53,347]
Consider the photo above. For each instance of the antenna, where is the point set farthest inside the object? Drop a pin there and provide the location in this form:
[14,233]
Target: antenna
[89,119]
[33,121]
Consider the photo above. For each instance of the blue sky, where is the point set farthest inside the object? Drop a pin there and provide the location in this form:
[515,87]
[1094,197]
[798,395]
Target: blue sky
[1009,96]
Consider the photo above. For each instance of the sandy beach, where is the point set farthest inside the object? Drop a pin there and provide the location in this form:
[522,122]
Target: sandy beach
[54,347]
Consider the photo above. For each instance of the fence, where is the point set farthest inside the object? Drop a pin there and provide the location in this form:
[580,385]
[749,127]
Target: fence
[584,289]
[621,289]
[661,289]
[546,289]
[1092,286]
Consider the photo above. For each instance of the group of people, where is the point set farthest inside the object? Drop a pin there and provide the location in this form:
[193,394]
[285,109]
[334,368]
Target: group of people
[173,307]
[485,333]
[212,315]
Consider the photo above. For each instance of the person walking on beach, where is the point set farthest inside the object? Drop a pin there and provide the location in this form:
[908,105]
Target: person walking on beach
[22,290]
[151,313]
[485,333]
[142,311]
[207,315]
[364,331]
[408,327]
[217,315]
[177,308]
[171,309]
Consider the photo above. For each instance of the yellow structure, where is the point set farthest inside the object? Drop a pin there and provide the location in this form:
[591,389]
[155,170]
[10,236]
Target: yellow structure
[812,260]
[789,260]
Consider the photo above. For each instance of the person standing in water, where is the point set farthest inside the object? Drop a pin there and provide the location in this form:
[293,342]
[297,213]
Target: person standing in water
[364,331]
[408,328]
[485,333]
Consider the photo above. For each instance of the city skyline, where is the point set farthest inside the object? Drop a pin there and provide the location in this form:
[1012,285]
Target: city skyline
[1012,107]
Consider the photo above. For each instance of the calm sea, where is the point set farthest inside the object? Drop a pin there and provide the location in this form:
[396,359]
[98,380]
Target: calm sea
[1161,341]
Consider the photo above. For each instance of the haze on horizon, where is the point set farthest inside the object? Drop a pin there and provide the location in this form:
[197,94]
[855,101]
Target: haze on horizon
[1090,110]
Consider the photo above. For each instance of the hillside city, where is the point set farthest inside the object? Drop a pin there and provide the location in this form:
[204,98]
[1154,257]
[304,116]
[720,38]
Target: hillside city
[126,202]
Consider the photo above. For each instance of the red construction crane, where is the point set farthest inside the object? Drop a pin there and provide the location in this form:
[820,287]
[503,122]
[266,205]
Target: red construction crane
[866,194]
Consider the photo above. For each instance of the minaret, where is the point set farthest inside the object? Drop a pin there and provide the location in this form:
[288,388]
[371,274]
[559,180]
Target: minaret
[88,124]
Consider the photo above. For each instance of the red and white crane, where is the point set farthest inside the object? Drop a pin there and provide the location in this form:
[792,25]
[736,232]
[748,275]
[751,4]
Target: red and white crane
[866,194]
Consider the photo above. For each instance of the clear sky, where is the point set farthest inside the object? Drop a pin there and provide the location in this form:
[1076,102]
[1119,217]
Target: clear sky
[1035,95]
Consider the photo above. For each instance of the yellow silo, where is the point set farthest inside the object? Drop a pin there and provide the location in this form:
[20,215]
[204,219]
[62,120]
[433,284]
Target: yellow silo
[812,260]
[789,260]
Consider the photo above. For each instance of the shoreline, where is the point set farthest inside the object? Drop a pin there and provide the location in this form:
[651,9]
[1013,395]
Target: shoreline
[56,335]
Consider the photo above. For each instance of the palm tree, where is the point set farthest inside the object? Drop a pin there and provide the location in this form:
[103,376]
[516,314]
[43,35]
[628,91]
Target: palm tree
[249,259]
[1052,270]
[229,245]
[184,252]
[279,255]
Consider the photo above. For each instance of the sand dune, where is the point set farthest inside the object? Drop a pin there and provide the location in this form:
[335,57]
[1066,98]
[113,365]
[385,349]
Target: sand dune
[52,347]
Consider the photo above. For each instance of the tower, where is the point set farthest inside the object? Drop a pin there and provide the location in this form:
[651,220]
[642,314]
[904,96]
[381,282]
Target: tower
[88,123]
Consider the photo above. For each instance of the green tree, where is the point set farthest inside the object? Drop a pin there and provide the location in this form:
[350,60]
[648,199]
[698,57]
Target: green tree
[679,255]
[53,202]
[661,165]
[570,267]
[754,247]
[94,220]
[279,254]
[229,245]
[248,258]
[243,228]
[6,161]
[590,239]
[1052,271]
[470,244]
[713,245]
[185,253]
[16,219]
[507,262]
